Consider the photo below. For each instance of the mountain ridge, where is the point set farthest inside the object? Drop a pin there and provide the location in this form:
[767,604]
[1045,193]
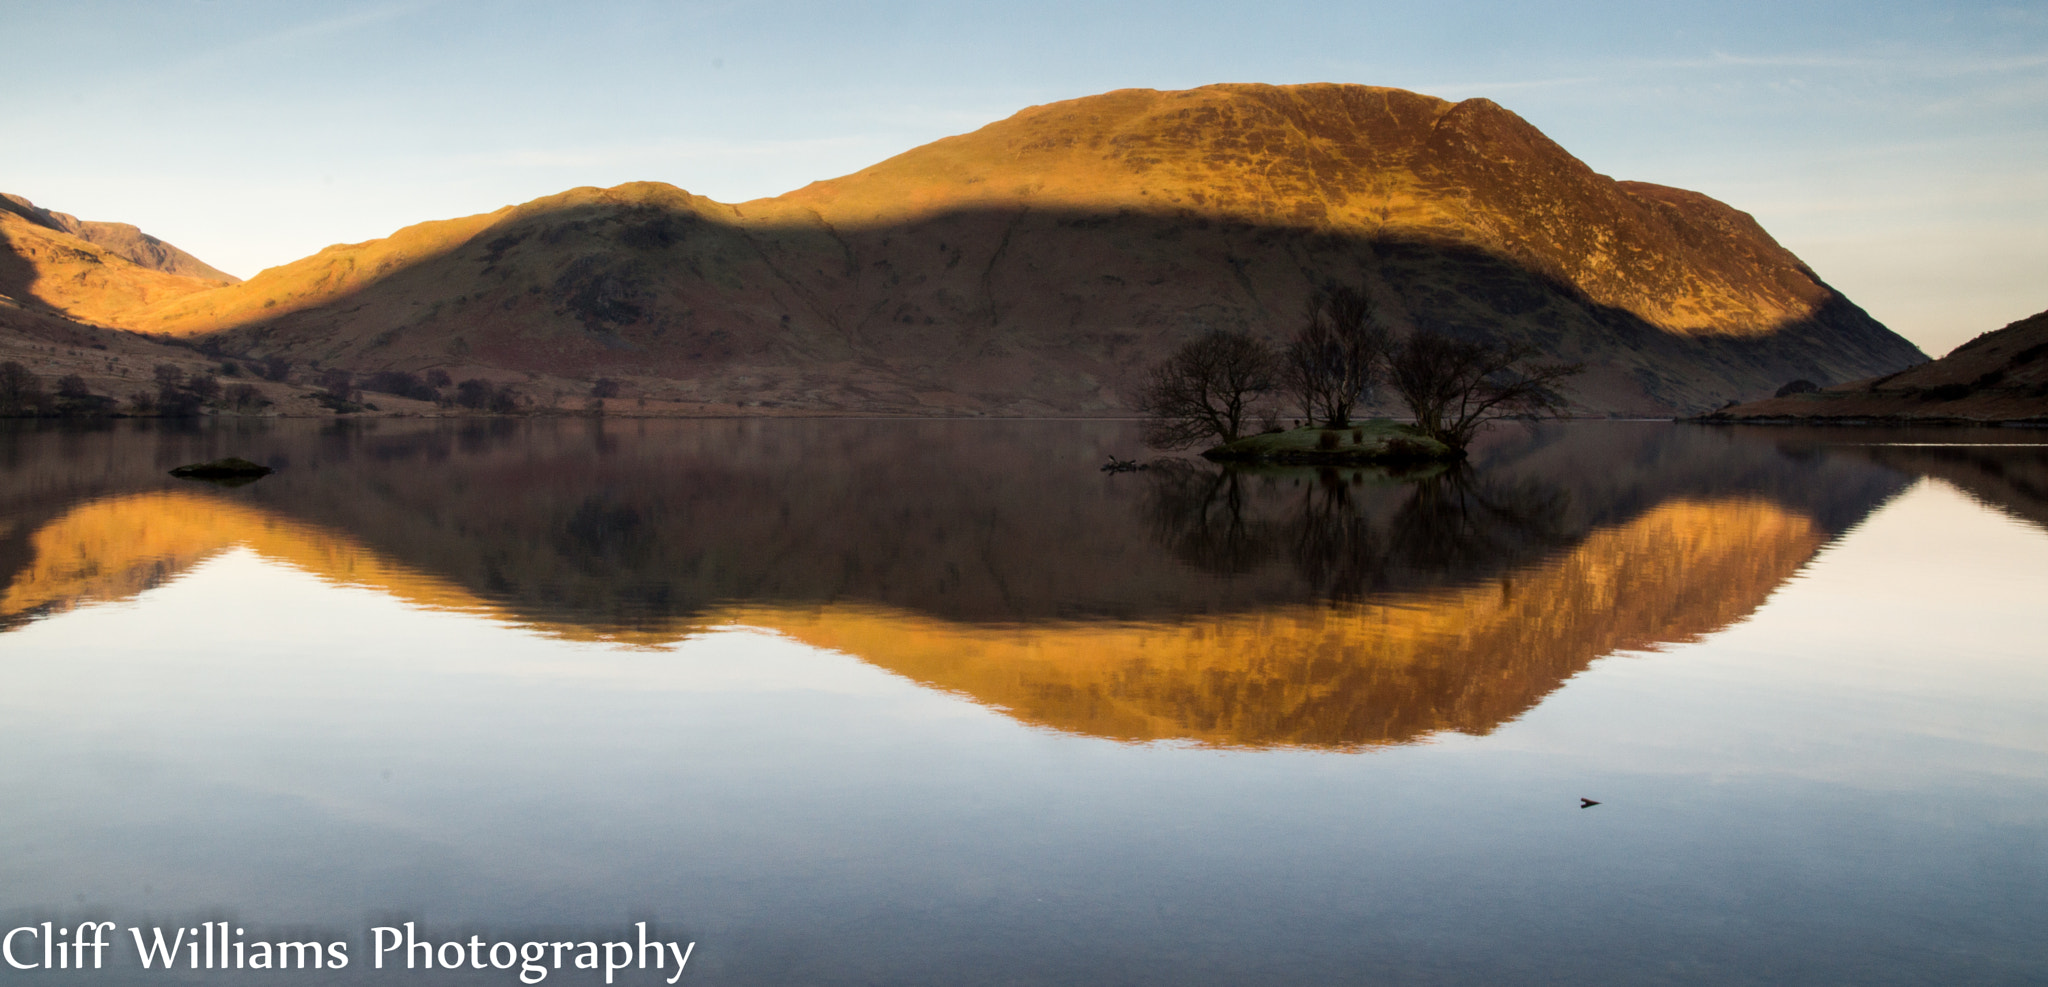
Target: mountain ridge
[123,239]
[1039,264]
[55,265]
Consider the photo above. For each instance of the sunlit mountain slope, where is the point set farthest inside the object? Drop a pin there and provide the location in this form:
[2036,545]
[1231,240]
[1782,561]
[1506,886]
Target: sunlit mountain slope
[1039,264]
[91,272]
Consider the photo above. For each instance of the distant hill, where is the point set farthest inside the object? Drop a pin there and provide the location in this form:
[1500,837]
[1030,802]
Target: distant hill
[64,281]
[2001,376]
[89,272]
[1038,265]
[120,238]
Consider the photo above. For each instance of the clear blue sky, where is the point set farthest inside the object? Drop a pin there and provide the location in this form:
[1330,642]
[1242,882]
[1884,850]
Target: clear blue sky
[1900,148]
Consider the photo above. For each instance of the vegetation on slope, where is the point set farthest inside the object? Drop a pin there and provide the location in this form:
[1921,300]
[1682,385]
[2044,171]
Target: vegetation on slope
[1038,265]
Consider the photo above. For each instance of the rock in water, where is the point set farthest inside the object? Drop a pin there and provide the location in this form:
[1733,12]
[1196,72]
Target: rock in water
[231,468]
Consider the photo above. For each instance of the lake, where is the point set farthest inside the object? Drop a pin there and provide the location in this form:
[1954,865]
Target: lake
[940,702]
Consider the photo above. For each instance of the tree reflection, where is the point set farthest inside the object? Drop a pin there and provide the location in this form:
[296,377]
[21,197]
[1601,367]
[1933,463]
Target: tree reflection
[645,525]
[1349,533]
[1334,608]
[1199,515]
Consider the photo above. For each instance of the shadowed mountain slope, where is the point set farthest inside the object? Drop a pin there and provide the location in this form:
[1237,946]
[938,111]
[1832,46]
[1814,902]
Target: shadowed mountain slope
[2000,376]
[1038,264]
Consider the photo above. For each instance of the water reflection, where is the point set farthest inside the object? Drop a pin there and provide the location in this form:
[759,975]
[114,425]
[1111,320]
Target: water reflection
[1352,532]
[2002,471]
[1351,673]
[112,549]
[1332,608]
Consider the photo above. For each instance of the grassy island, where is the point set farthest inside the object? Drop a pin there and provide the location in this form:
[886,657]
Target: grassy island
[1377,441]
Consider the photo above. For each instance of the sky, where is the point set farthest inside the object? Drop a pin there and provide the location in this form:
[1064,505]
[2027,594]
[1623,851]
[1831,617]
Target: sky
[1899,148]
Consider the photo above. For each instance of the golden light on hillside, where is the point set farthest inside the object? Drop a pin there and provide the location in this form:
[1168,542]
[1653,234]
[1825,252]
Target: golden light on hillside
[1030,265]
[113,549]
[84,280]
[1348,675]
[1340,676]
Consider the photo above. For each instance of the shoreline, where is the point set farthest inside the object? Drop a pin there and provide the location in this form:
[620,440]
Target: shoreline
[1868,421]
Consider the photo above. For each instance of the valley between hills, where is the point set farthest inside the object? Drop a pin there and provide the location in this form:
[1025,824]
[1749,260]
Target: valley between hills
[1034,267]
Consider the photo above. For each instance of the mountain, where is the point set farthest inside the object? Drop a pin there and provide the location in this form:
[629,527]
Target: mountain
[119,238]
[64,281]
[89,272]
[2000,376]
[1039,264]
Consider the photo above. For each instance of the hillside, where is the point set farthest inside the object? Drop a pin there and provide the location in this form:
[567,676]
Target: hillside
[120,238]
[2001,376]
[65,281]
[1037,265]
[88,272]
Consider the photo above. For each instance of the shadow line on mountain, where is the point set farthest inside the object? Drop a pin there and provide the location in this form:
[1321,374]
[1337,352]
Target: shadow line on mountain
[1011,309]
[17,275]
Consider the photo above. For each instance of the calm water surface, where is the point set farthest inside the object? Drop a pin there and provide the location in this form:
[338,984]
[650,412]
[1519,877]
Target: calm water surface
[941,703]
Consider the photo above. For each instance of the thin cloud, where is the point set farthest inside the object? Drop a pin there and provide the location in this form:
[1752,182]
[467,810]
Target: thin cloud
[301,33]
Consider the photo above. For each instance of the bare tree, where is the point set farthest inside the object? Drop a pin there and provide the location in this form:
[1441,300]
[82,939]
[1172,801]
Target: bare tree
[339,383]
[1456,385]
[21,391]
[244,397]
[1208,387]
[481,394]
[475,392]
[1338,357]
[1305,365]
[172,399]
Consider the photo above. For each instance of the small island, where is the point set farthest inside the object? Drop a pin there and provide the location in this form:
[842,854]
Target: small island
[1216,385]
[1376,441]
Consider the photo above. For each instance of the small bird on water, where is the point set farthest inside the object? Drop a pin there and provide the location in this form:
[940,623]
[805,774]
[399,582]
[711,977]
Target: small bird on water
[1586,803]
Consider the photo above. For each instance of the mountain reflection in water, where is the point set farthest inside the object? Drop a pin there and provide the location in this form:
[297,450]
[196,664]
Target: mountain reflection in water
[991,560]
